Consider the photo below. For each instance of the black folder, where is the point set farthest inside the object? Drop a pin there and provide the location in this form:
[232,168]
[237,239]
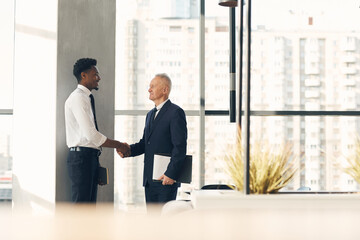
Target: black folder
[103,176]
[185,175]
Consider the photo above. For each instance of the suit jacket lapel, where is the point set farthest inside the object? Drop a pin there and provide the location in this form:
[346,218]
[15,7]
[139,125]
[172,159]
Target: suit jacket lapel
[159,116]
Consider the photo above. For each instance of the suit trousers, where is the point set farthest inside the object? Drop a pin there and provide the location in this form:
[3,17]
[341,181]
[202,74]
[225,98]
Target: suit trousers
[155,192]
[83,172]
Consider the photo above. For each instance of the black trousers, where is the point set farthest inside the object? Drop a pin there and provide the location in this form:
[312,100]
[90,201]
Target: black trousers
[83,172]
[155,192]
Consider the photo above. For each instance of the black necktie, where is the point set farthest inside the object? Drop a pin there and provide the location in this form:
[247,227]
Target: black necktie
[152,116]
[93,110]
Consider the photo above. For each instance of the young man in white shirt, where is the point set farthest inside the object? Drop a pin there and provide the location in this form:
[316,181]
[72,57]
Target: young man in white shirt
[82,135]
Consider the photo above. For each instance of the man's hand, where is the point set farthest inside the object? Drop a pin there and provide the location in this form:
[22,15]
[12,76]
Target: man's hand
[101,183]
[166,180]
[124,150]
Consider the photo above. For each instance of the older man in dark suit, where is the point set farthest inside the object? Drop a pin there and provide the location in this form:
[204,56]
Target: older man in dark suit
[165,132]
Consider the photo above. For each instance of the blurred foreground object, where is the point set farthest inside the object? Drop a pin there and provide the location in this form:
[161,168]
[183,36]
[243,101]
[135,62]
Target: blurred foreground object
[267,217]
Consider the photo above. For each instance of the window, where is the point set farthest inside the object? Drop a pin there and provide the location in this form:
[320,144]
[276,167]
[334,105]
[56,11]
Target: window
[288,74]
[6,96]
[175,28]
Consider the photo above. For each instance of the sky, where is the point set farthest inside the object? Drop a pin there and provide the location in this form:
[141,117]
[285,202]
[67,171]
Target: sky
[327,14]
[282,14]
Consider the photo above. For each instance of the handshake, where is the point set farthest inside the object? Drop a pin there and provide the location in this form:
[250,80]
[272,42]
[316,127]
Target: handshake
[123,150]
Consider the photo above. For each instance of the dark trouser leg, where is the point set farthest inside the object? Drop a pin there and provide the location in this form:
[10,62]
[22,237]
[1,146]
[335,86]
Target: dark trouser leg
[168,194]
[94,178]
[82,168]
[158,193]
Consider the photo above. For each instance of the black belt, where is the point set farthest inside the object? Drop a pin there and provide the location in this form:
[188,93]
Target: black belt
[85,149]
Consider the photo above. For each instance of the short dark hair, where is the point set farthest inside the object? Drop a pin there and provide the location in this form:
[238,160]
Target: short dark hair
[82,65]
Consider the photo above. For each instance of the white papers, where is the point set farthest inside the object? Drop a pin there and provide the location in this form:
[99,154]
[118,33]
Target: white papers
[160,166]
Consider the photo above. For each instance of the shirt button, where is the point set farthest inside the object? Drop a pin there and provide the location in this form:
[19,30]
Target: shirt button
[148,142]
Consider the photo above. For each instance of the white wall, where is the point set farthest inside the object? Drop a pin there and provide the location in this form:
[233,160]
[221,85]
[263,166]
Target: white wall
[34,104]
[50,35]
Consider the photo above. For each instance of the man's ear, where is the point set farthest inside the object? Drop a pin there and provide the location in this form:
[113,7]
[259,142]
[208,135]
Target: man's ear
[166,89]
[83,75]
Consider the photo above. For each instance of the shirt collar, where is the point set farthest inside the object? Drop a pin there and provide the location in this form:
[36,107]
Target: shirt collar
[85,89]
[158,107]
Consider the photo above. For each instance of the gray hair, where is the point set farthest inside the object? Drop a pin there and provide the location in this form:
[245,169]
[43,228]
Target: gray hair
[166,78]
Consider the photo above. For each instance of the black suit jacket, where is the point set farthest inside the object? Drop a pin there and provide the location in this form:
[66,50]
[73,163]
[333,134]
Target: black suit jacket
[168,134]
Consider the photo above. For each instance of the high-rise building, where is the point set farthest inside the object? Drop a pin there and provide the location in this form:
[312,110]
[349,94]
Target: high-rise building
[303,70]
[310,71]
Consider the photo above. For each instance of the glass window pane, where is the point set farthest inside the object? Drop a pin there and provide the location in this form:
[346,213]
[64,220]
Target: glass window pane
[305,58]
[193,149]
[321,145]
[128,173]
[220,136]
[216,56]
[5,158]
[157,37]
[7,52]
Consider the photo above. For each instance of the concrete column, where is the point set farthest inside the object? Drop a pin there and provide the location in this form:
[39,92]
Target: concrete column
[86,28]
[50,35]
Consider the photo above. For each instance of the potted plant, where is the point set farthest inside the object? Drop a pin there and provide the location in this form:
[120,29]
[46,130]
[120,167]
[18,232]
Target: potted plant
[270,169]
[353,168]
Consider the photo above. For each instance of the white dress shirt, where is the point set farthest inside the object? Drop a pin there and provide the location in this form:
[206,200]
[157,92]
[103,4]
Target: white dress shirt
[79,121]
[158,107]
